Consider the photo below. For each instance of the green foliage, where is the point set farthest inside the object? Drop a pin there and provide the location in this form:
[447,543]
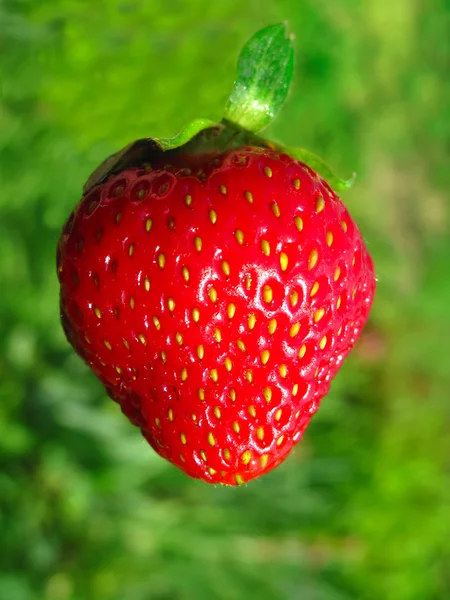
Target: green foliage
[361,508]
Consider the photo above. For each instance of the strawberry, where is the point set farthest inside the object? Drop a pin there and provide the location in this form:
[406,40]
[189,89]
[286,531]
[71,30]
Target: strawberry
[215,293]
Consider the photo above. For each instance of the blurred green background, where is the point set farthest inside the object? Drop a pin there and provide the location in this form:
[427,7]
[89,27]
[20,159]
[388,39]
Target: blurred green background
[361,510]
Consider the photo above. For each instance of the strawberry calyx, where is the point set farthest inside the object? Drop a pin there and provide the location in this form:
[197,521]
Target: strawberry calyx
[264,73]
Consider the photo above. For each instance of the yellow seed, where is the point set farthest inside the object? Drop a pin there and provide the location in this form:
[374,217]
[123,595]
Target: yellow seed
[147,284]
[323,342]
[251,321]
[223,189]
[284,261]
[156,323]
[320,204]
[171,304]
[182,458]
[228,364]
[283,371]
[118,217]
[131,250]
[267,171]
[201,394]
[246,457]
[163,356]
[170,414]
[179,338]
[315,289]
[278,414]
[214,375]
[265,247]
[198,243]
[275,209]
[295,389]
[249,197]
[240,344]
[294,298]
[302,351]
[329,238]
[344,226]
[339,331]
[297,414]
[217,334]
[161,260]
[213,294]
[280,440]
[212,471]
[107,344]
[226,454]
[226,268]
[98,313]
[211,440]
[296,184]
[185,272]
[294,329]
[203,455]
[236,427]
[118,369]
[338,303]
[272,325]
[354,293]
[213,216]
[313,258]
[239,479]
[319,314]
[260,433]
[267,393]
[264,460]
[217,412]
[142,339]
[148,225]
[249,376]
[200,352]
[337,273]
[158,423]
[188,200]
[252,411]
[298,223]
[231,310]
[195,315]
[183,438]
[265,355]
[316,373]
[239,234]
[132,303]
[267,294]
[126,344]
[184,374]
[248,282]
[87,339]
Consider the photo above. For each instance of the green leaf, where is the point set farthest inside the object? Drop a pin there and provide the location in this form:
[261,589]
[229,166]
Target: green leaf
[264,74]
[147,150]
[316,163]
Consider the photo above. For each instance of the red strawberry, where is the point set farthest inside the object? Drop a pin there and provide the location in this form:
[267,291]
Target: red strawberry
[215,298]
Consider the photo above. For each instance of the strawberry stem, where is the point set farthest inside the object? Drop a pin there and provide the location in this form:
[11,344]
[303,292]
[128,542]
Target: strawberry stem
[264,73]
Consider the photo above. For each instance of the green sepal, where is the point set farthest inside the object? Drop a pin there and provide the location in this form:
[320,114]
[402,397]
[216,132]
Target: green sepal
[318,165]
[264,73]
[147,150]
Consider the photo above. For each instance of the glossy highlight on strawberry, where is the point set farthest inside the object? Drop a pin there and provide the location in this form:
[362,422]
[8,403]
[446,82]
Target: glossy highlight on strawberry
[215,297]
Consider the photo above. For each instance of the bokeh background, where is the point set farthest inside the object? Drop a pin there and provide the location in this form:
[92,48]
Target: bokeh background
[361,510]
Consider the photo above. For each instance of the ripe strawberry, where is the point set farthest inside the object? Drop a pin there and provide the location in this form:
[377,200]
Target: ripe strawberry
[215,298]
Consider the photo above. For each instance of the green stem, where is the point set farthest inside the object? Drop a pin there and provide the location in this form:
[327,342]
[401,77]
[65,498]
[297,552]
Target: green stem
[264,73]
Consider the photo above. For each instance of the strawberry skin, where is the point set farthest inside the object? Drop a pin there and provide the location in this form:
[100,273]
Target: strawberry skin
[215,298]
